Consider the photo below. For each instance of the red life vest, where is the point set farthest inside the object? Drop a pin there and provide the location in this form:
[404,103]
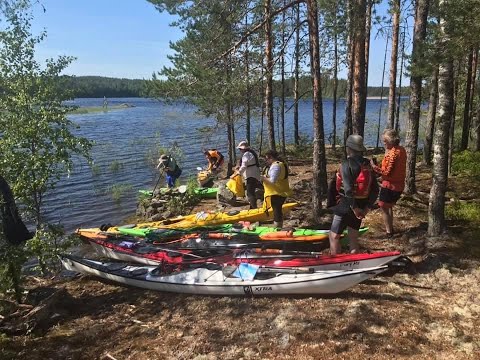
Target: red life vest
[361,187]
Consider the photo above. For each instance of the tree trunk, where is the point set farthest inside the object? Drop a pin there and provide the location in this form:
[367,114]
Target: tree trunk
[379,125]
[319,158]
[351,64]
[451,146]
[269,74]
[393,64]
[467,105]
[411,139]
[430,127]
[359,89]
[368,27]
[282,80]
[296,94]
[247,71]
[399,95]
[335,79]
[436,209]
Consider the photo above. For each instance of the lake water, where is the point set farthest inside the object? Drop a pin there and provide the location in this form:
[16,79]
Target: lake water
[124,138]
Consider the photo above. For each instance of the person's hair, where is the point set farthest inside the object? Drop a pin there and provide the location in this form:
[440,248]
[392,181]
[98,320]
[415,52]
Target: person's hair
[272,154]
[392,136]
[206,152]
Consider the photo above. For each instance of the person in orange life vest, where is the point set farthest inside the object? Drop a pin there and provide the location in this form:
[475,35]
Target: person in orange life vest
[215,159]
[393,173]
[275,183]
[250,170]
[358,191]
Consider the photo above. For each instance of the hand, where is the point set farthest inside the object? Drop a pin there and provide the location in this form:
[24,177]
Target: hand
[359,213]
[372,164]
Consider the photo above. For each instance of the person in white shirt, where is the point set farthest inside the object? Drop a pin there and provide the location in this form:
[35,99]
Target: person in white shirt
[250,170]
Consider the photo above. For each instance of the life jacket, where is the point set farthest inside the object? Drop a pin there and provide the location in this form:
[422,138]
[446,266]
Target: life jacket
[363,181]
[254,155]
[217,156]
[281,186]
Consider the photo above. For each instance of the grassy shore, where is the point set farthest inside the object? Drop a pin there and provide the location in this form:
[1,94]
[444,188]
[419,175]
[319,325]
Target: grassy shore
[97,109]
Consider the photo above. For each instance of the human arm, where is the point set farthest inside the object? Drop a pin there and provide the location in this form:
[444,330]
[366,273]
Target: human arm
[273,174]
[387,164]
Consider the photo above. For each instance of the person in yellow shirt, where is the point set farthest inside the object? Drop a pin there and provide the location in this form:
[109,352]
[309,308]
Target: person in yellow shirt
[275,183]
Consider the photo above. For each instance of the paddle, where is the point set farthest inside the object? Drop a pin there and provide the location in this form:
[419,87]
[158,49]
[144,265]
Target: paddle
[158,181]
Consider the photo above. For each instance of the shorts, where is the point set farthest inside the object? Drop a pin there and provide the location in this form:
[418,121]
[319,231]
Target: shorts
[387,198]
[340,223]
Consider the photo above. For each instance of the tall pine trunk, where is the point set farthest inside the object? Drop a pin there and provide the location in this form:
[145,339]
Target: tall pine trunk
[350,65]
[296,93]
[368,27]
[247,73]
[282,80]
[436,208]
[359,88]
[319,158]
[413,121]
[430,126]
[379,124]
[467,104]
[393,63]
[269,74]
[335,79]
[399,94]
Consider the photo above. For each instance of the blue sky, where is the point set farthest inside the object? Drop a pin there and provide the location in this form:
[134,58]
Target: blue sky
[127,38]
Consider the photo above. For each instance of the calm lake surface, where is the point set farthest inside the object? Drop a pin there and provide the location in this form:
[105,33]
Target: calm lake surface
[108,192]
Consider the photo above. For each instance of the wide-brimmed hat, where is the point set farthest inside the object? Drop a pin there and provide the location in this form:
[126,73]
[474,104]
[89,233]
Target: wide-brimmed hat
[163,158]
[242,145]
[355,142]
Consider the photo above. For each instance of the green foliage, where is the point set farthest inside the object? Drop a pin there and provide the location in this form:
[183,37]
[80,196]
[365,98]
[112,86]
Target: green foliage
[12,259]
[303,150]
[36,140]
[96,170]
[118,190]
[99,86]
[463,211]
[466,163]
[115,166]
[49,241]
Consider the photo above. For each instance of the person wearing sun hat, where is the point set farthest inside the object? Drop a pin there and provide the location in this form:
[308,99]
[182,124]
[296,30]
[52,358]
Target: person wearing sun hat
[249,168]
[172,170]
[358,189]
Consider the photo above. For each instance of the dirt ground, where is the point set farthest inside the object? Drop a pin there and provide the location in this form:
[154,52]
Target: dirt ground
[430,312]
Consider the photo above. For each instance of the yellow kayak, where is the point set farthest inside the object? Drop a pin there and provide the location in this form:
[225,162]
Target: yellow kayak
[205,219]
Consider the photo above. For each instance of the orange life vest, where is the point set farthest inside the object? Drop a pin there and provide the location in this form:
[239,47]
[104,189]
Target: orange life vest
[361,187]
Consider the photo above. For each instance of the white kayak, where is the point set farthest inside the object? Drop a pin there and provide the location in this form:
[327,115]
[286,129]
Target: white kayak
[219,280]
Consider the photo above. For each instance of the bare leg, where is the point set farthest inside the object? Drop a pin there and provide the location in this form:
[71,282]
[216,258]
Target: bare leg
[387,214]
[353,236]
[335,247]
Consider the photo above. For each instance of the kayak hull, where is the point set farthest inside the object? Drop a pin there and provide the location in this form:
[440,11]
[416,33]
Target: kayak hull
[204,281]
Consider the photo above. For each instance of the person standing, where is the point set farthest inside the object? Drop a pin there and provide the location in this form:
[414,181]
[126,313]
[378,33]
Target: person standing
[393,172]
[172,170]
[358,190]
[249,168]
[275,183]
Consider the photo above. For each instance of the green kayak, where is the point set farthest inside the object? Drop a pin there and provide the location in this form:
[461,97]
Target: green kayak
[159,234]
[205,193]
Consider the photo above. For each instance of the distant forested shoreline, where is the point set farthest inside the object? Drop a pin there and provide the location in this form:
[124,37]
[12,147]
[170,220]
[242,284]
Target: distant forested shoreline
[99,86]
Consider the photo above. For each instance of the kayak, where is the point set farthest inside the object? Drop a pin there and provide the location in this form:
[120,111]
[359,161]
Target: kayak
[127,248]
[264,232]
[205,193]
[215,279]
[206,219]
[123,249]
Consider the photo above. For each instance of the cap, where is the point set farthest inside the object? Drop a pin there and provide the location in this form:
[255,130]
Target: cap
[242,145]
[355,142]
